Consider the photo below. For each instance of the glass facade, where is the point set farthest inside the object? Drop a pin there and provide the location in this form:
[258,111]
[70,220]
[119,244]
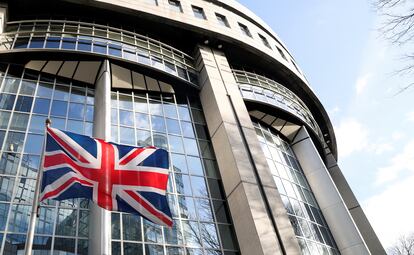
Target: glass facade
[99,39]
[256,87]
[307,220]
[26,100]
[173,121]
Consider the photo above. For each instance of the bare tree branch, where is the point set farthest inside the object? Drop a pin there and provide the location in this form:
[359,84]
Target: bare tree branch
[403,246]
[398,29]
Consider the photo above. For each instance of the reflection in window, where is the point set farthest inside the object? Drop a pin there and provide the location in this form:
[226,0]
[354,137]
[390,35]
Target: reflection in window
[158,120]
[303,212]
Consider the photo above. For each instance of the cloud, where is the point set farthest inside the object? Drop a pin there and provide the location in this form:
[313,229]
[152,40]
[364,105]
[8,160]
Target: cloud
[389,211]
[362,83]
[410,116]
[400,163]
[380,148]
[332,112]
[397,135]
[351,136]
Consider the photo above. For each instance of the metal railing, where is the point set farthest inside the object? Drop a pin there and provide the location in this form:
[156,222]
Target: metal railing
[256,87]
[99,39]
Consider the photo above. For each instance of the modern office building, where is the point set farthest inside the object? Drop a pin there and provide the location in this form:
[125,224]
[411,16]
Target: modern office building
[253,152]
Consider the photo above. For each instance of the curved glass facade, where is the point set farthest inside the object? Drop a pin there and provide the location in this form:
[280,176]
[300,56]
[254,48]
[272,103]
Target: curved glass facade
[173,121]
[307,220]
[98,39]
[26,100]
[257,87]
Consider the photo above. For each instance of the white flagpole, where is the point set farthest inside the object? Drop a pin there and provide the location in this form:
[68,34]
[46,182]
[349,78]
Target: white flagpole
[35,205]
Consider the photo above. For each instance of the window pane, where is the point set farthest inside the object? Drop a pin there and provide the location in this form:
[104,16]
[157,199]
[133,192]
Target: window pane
[19,218]
[6,101]
[176,144]
[23,104]
[6,188]
[133,249]
[34,144]
[76,111]
[173,126]
[61,93]
[19,121]
[4,119]
[59,108]
[66,222]
[14,142]
[141,120]
[126,118]
[188,130]
[127,135]
[64,245]
[158,124]
[131,227]
[178,163]
[143,138]
[28,88]
[41,106]
[45,90]
[9,163]
[194,165]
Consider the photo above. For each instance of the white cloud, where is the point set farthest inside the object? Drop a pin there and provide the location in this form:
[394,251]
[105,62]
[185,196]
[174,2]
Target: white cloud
[362,83]
[390,211]
[397,135]
[332,112]
[410,116]
[351,136]
[401,162]
[380,148]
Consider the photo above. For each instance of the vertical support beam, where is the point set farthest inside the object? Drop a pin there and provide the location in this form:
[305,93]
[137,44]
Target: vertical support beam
[367,232]
[340,222]
[260,220]
[3,16]
[100,219]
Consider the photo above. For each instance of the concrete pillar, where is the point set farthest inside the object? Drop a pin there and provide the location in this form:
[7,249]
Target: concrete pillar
[365,228]
[100,219]
[259,217]
[340,222]
[3,16]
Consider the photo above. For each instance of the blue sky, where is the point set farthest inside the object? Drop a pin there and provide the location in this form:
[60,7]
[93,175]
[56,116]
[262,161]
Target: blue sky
[352,70]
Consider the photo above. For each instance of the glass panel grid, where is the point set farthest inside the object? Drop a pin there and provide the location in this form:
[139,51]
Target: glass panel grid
[200,214]
[256,87]
[303,211]
[100,39]
[62,226]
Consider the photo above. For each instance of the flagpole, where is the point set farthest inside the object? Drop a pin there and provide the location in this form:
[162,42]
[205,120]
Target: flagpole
[35,205]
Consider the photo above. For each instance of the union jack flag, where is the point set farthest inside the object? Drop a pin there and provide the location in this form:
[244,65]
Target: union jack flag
[116,177]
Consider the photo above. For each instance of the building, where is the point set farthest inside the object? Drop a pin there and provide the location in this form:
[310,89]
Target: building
[253,151]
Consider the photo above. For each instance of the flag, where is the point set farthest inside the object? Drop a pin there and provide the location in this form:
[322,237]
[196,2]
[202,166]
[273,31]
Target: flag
[116,177]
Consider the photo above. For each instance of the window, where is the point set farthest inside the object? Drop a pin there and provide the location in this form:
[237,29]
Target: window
[175,5]
[198,12]
[245,30]
[265,42]
[222,20]
[281,53]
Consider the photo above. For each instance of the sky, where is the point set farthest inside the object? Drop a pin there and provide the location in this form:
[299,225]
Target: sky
[352,70]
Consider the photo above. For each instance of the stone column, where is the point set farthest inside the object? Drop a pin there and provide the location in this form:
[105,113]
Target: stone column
[100,219]
[260,220]
[371,239]
[340,222]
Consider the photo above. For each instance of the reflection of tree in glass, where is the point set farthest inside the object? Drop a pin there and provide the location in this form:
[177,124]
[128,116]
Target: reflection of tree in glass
[203,234]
